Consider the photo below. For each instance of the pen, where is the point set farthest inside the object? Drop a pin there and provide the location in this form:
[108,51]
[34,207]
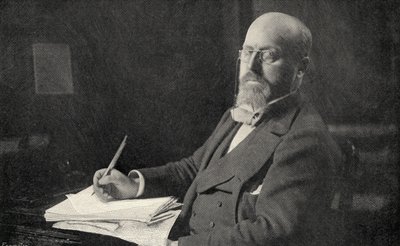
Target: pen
[115,158]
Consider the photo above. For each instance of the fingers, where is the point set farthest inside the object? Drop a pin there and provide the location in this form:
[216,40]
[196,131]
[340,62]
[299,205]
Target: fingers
[115,177]
[101,189]
[97,176]
[109,187]
[103,193]
[105,197]
[107,180]
[97,189]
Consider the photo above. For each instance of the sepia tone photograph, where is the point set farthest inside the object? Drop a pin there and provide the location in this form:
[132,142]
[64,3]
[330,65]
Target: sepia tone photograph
[199,122]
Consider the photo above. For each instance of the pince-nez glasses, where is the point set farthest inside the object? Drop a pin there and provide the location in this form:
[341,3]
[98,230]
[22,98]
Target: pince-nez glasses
[266,56]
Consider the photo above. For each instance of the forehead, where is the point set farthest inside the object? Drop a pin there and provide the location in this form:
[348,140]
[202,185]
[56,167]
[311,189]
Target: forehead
[270,34]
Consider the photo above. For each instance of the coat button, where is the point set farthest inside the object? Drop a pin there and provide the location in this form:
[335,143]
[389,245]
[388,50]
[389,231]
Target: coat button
[219,204]
[194,213]
[212,224]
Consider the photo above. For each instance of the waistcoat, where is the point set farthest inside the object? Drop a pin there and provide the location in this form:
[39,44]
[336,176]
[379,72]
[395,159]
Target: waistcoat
[214,207]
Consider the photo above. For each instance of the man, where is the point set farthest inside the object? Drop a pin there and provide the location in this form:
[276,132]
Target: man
[264,175]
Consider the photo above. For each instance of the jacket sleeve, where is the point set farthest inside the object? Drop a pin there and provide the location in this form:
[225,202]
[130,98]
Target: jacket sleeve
[295,181]
[174,178]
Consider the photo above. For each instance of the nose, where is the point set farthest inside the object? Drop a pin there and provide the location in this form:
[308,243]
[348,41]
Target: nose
[254,62]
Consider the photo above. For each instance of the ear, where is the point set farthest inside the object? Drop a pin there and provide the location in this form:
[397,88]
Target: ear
[303,65]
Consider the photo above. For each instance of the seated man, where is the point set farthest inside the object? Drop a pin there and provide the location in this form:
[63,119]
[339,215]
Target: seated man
[264,175]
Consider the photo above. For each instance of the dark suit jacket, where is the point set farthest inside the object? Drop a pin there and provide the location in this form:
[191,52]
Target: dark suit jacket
[289,155]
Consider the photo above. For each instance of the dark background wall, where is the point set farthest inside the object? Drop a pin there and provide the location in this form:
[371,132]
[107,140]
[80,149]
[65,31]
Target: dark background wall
[354,73]
[154,70]
[162,72]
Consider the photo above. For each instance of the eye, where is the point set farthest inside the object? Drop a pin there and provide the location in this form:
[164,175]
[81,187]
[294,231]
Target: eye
[245,54]
[269,56]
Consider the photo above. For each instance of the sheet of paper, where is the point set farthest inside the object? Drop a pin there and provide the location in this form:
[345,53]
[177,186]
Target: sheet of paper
[111,216]
[103,225]
[152,235]
[66,211]
[86,203]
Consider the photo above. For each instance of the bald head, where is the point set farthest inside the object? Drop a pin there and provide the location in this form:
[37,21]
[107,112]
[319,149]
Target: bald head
[288,31]
[273,59]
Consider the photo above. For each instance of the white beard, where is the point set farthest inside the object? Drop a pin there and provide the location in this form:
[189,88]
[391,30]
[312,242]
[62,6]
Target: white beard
[253,94]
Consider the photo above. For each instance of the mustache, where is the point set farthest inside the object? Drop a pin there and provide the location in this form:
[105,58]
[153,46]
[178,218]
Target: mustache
[253,77]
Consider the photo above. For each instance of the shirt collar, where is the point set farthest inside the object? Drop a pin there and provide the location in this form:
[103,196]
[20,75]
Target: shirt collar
[246,115]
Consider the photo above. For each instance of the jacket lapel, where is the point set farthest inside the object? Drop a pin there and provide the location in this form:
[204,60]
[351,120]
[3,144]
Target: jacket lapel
[259,150]
[216,140]
[248,157]
[263,144]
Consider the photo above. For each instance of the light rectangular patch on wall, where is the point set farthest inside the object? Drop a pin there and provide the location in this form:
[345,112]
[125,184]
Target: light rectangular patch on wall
[52,68]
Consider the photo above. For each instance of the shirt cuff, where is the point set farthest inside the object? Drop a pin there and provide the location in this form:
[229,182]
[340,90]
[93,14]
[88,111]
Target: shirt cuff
[137,177]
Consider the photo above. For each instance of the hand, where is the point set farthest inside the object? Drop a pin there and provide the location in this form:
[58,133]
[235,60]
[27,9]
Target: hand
[116,185]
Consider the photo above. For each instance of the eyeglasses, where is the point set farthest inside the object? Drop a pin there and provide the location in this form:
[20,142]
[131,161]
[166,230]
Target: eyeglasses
[265,56]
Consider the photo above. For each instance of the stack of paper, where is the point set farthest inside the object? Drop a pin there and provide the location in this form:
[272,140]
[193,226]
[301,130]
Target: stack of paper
[140,233]
[135,220]
[87,207]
